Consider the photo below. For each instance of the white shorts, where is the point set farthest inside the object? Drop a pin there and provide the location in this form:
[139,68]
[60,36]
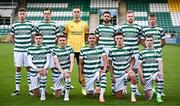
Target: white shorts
[136,56]
[119,85]
[51,64]
[106,49]
[58,80]
[91,81]
[35,80]
[21,59]
[149,83]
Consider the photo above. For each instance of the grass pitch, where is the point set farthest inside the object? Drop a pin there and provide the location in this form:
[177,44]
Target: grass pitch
[171,58]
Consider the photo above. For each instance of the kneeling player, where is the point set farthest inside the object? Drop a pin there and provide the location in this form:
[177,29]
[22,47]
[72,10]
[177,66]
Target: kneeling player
[90,66]
[151,69]
[121,64]
[38,58]
[64,61]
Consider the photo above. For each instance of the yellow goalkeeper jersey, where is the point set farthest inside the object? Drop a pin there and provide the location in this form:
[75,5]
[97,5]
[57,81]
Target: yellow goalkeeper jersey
[76,34]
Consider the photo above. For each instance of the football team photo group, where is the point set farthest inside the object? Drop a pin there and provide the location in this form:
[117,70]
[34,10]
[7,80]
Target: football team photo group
[109,54]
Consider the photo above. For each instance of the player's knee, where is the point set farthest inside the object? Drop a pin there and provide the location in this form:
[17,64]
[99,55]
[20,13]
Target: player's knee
[132,77]
[57,93]
[67,75]
[148,94]
[36,92]
[18,69]
[119,94]
[28,68]
[90,94]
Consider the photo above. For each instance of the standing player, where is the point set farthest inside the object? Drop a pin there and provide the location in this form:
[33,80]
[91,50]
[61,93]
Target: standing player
[38,59]
[105,34]
[132,33]
[90,66]
[64,61]
[76,30]
[151,69]
[121,64]
[157,33]
[21,33]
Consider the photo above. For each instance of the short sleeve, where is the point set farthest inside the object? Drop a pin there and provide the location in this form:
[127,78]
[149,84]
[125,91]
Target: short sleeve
[81,54]
[140,58]
[110,54]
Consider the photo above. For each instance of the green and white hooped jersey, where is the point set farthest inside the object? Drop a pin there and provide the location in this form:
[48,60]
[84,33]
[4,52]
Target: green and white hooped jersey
[106,35]
[92,59]
[38,54]
[49,32]
[22,33]
[63,55]
[132,33]
[149,59]
[121,59]
[157,33]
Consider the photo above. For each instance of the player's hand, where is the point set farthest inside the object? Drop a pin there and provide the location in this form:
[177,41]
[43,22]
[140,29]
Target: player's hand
[161,75]
[101,71]
[81,79]
[9,38]
[128,69]
[113,79]
[42,71]
[143,81]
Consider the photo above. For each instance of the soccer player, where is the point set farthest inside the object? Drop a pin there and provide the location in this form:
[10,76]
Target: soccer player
[132,33]
[38,59]
[105,35]
[76,30]
[121,65]
[64,61]
[151,69]
[90,66]
[21,33]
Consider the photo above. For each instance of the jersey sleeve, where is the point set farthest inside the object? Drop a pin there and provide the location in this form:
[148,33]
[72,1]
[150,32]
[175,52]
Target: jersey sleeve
[162,34]
[159,55]
[143,34]
[37,29]
[103,52]
[131,52]
[97,31]
[81,54]
[54,53]
[110,54]
[140,33]
[12,31]
[71,52]
[33,29]
[140,58]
